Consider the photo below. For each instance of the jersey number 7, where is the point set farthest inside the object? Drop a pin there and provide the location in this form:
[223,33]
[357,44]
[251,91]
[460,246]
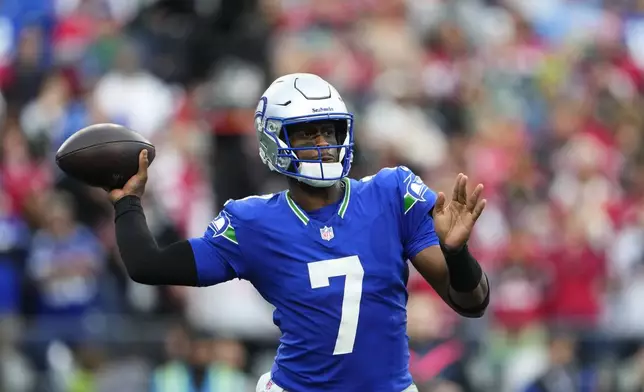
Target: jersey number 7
[319,274]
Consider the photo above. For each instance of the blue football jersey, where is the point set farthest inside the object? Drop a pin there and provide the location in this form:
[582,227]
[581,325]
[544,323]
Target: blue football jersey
[337,277]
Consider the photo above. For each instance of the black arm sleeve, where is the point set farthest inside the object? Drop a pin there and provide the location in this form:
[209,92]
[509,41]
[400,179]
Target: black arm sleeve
[465,273]
[145,262]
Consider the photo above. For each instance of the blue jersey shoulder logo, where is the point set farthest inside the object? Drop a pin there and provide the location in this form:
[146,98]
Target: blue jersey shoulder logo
[415,191]
[222,227]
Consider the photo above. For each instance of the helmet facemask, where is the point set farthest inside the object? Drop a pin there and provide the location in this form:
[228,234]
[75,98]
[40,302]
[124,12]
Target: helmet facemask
[314,170]
[302,139]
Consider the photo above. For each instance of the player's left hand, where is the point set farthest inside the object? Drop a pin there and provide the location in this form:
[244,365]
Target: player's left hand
[454,221]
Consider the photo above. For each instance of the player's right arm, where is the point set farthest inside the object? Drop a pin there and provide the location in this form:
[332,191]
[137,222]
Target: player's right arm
[203,261]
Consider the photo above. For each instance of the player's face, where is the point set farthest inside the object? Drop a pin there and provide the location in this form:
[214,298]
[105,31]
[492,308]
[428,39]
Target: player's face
[314,134]
[201,352]
[59,220]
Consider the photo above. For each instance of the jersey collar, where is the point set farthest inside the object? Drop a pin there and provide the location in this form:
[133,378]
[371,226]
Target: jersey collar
[302,216]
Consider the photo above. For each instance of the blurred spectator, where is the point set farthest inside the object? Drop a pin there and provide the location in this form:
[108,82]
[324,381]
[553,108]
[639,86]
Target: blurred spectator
[519,308]
[132,96]
[21,81]
[631,376]
[575,294]
[22,176]
[435,354]
[65,265]
[16,373]
[563,374]
[206,365]
[14,245]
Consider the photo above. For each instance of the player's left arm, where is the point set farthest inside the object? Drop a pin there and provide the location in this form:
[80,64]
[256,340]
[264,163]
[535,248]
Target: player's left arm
[457,277]
[437,247]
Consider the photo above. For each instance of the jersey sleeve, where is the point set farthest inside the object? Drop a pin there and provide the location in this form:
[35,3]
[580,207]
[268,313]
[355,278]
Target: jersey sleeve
[218,256]
[416,201]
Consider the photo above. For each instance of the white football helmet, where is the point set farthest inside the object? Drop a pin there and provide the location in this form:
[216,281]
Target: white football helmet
[299,98]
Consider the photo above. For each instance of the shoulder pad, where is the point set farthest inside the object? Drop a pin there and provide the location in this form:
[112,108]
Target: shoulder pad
[251,207]
[234,214]
[385,177]
[406,185]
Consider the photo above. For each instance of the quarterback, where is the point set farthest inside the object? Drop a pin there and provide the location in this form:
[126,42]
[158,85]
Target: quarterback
[330,253]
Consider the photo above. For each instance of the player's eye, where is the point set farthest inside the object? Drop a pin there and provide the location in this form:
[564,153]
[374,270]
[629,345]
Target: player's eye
[328,132]
[310,134]
[303,134]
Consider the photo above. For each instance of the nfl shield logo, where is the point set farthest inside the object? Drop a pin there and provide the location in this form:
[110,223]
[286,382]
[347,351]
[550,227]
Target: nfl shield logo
[326,233]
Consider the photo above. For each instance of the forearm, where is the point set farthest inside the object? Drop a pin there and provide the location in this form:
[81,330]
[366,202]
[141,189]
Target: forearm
[468,288]
[144,261]
[471,299]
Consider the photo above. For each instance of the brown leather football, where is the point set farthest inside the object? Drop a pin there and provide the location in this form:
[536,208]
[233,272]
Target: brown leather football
[103,155]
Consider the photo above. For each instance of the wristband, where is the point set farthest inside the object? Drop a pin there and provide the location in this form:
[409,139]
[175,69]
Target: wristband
[465,273]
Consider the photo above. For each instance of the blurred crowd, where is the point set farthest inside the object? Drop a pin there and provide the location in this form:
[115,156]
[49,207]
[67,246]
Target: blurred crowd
[541,101]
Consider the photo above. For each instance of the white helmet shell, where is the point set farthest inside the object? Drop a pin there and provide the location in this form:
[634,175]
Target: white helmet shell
[299,98]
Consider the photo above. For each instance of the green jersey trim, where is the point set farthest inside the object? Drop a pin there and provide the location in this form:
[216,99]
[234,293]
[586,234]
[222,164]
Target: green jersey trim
[296,209]
[230,235]
[347,197]
[409,202]
[301,215]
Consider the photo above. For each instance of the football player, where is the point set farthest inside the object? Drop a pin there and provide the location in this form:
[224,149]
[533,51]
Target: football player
[330,253]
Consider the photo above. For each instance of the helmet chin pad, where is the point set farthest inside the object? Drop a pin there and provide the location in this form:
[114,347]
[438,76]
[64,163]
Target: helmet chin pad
[313,173]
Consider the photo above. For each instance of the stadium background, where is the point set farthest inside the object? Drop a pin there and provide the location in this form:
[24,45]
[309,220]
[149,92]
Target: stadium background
[539,100]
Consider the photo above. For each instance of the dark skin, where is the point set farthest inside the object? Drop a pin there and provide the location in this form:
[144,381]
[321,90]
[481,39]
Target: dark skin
[453,220]
[315,134]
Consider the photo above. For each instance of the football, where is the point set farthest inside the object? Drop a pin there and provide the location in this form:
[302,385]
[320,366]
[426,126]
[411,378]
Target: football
[103,155]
